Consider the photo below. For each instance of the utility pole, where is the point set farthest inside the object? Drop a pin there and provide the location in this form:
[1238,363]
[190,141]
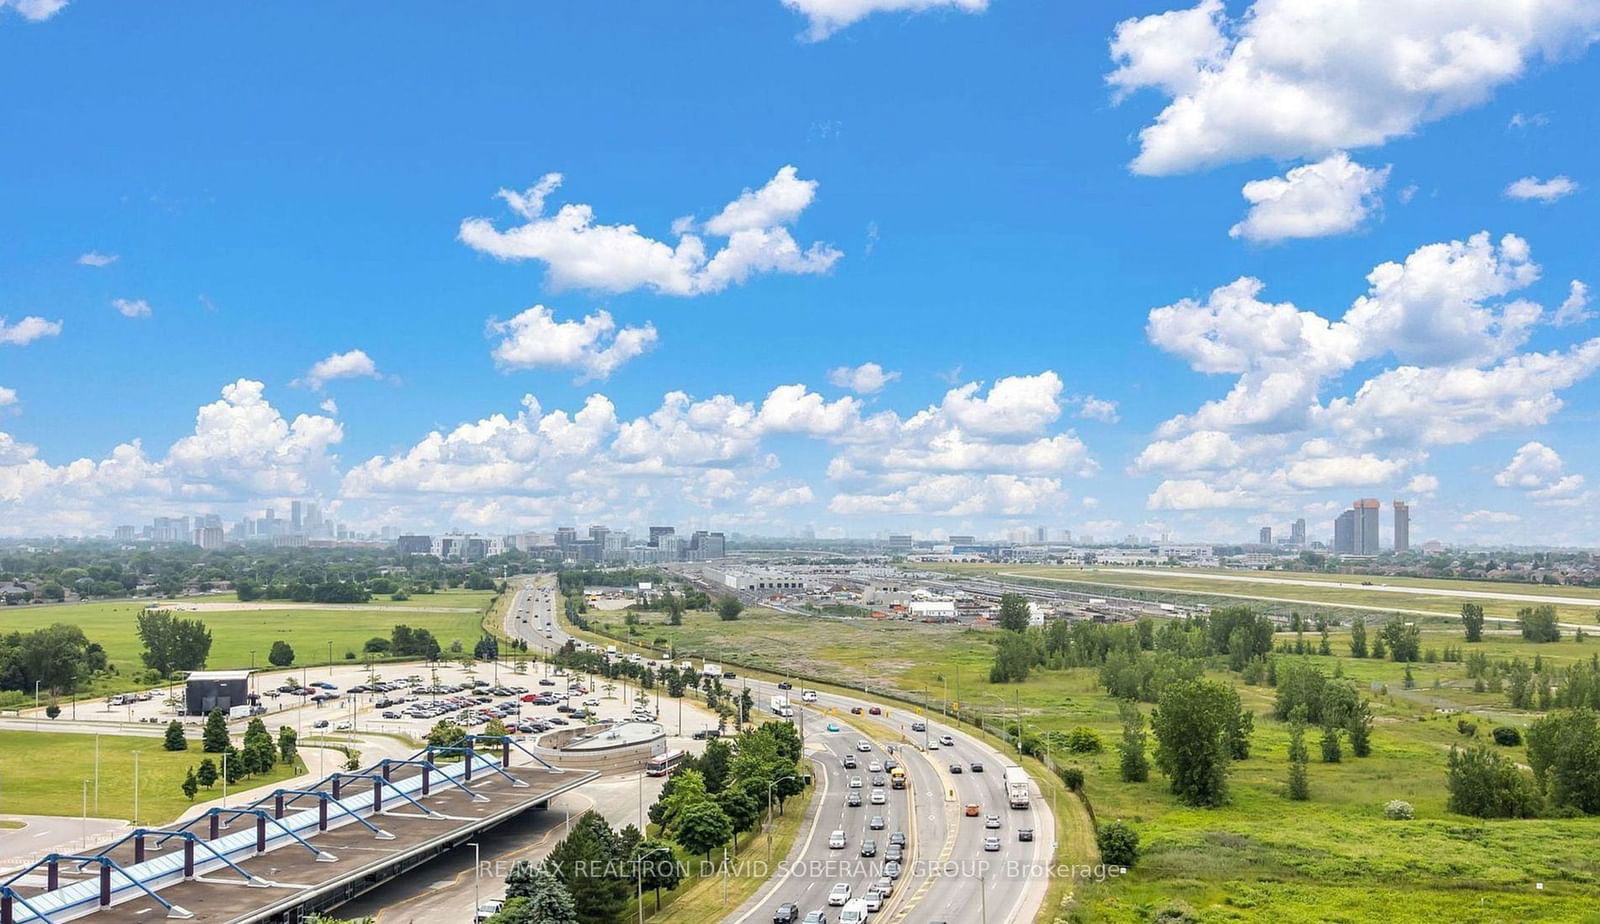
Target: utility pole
[136,786]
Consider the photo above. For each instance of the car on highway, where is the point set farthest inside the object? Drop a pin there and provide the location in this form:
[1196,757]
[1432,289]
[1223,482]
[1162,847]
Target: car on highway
[874,710]
[878,797]
[1024,834]
[876,823]
[919,726]
[836,840]
[897,839]
[894,852]
[880,780]
[884,886]
[864,746]
[839,894]
[854,799]
[874,767]
[889,763]
[992,821]
[320,723]
[849,761]
[816,917]
[855,710]
[873,900]
[869,848]
[947,741]
[991,843]
[973,811]
[785,685]
[977,767]
[833,726]
[787,913]
[892,870]
[854,912]
[808,696]
[933,745]
[855,782]
[955,768]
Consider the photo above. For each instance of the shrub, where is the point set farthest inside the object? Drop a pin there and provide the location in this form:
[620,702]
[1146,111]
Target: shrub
[1398,810]
[1119,844]
[1507,736]
[1083,741]
[1469,729]
[1072,777]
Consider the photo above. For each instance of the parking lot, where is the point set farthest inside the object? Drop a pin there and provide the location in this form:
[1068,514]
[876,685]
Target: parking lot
[408,698]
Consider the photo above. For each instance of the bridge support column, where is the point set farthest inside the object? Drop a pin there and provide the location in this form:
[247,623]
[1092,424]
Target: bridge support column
[425,780]
[138,848]
[471,753]
[384,768]
[105,885]
[52,876]
[322,813]
[505,753]
[6,915]
[216,826]
[188,858]
[377,796]
[337,783]
[277,805]
[261,834]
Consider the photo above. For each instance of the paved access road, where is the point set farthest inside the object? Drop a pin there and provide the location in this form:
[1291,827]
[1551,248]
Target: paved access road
[951,877]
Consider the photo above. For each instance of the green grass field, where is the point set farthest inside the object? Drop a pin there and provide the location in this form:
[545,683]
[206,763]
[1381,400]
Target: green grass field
[450,598]
[1183,583]
[42,773]
[1261,858]
[235,634]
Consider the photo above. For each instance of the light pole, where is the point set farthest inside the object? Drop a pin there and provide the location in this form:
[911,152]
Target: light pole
[330,660]
[35,705]
[639,875]
[770,785]
[136,786]
[85,821]
[477,865]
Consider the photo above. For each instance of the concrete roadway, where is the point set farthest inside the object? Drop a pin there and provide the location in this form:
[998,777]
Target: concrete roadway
[947,847]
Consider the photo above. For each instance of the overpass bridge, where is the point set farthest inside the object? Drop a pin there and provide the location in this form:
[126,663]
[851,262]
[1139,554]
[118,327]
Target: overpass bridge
[294,852]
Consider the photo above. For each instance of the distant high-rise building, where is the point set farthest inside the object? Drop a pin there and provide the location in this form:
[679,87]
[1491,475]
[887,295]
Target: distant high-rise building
[1344,533]
[209,537]
[1402,526]
[414,545]
[1266,535]
[900,543]
[123,534]
[1041,534]
[1366,536]
[1297,532]
[297,517]
[963,539]
[657,532]
[566,537]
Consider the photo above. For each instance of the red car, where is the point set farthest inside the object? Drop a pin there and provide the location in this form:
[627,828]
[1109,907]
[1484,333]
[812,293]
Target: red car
[875,711]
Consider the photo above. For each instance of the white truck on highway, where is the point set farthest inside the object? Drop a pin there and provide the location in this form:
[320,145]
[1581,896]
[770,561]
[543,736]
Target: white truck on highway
[712,670]
[781,707]
[1017,787]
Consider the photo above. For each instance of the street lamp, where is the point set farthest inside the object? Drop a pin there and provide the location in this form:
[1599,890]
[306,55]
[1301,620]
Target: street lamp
[476,866]
[639,875]
[770,785]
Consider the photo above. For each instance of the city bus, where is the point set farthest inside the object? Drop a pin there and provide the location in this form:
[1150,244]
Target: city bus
[663,764]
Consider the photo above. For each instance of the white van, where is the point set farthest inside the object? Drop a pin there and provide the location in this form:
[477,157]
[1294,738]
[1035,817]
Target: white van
[853,912]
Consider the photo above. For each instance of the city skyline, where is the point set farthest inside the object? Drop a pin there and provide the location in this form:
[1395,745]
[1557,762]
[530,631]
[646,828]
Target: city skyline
[493,303]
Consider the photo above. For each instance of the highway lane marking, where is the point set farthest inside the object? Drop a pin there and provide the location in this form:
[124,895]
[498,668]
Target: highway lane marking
[805,848]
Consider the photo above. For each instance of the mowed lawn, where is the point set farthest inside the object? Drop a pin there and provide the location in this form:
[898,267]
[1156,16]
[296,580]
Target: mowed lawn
[455,598]
[1262,858]
[43,773]
[235,634]
[1184,583]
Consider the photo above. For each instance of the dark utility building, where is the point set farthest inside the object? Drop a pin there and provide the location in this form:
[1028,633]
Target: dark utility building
[208,690]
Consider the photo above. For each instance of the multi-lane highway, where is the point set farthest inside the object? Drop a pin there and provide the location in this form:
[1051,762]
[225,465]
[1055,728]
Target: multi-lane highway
[947,874]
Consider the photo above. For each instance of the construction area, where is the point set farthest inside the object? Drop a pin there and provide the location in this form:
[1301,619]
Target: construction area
[294,852]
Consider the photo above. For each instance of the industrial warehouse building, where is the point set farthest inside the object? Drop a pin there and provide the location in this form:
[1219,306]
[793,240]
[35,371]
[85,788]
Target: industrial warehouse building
[208,690]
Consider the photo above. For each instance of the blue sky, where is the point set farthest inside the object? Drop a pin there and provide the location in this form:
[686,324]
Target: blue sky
[988,200]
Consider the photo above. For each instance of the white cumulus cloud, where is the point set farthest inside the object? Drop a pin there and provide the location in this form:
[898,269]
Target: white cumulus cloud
[594,345]
[829,16]
[864,379]
[1332,196]
[1291,79]
[131,307]
[352,364]
[581,253]
[34,10]
[1537,190]
[97,259]
[27,330]
[1575,308]
[8,396]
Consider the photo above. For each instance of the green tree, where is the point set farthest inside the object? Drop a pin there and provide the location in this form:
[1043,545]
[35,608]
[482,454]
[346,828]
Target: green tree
[544,900]
[1485,784]
[172,643]
[174,740]
[702,828]
[281,654]
[1135,766]
[1013,612]
[521,879]
[1191,725]
[288,744]
[1472,621]
[214,740]
[591,846]
[191,785]
[1331,753]
[1014,656]
[206,774]
[233,765]
[1564,752]
[1299,781]
[729,608]
[655,867]
[1539,623]
[1359,726]
[1119,844]
[1358,637]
